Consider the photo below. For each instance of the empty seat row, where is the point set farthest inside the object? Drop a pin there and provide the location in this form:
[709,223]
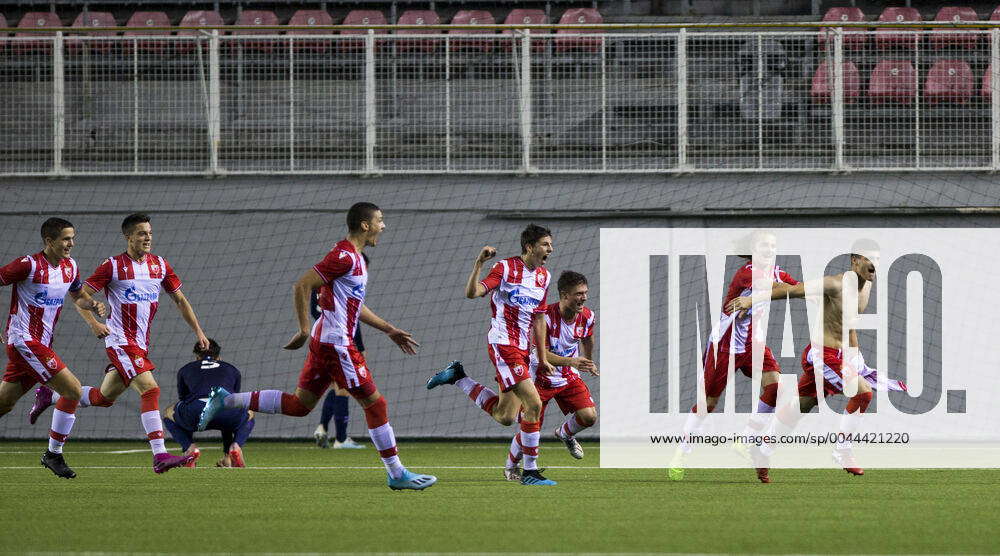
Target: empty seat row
[895,82]
[885,38]
[199,18]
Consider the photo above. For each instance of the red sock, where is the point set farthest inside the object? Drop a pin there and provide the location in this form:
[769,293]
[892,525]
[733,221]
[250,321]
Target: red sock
[770,394]
[377,414]
[859,401]
[149,400]
[98,399]
[694,408]
[290,405]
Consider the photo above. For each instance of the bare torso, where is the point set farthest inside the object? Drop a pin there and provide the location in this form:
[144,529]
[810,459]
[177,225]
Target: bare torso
[833,314]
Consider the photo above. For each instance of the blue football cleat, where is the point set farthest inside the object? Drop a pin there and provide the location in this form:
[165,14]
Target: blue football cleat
[215,404]
[450,375]
[534,477]
[411,481]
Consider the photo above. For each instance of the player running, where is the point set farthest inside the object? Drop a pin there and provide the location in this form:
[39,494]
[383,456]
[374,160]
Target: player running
[838,368]
[569,331]
[342,277]
[733,337]
[131,283]
[40,283]
[518,286]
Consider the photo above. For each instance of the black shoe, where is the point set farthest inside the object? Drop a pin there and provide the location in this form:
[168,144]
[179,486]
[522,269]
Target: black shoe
[534,477]
[57,465]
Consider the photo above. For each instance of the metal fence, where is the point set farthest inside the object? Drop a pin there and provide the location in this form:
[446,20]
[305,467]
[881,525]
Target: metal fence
[517,102]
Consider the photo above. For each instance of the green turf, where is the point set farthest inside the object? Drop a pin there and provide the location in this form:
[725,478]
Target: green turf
[128,508]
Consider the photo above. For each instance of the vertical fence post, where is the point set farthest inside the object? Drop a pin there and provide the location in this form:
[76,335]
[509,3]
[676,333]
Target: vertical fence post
[760,100]
[837,106]
[526,101]
[135,105]
[214,101]
[995,94]
[682,100]
[447,103]
[58,105]
[916,104]
[291,103]
[370,102]
[604,102]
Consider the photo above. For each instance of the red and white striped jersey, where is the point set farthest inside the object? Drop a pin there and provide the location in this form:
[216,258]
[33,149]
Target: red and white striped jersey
[345,274]
[563,339]
[732,332]
[133,291]
[518,292]
[37,296]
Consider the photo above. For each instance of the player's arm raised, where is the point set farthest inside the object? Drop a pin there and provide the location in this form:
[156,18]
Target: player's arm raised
[97,327]
[301,292]
[473,287]
[187,313]
[402,338]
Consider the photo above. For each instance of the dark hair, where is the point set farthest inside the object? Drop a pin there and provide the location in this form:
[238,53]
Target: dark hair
[532,234]
[862,246]
[132,220]
[52,227]
[358,213]
[569,280]
[213,350]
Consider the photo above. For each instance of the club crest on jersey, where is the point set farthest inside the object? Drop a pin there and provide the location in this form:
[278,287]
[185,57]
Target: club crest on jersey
[540,279]
[362,371]
[51,363]
[580,330]
[138,361]
[67,274]
[517,370]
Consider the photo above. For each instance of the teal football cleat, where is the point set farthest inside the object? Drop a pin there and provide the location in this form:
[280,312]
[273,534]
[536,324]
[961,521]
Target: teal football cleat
[534,477]
[450,375]
[215,404]
[411,481]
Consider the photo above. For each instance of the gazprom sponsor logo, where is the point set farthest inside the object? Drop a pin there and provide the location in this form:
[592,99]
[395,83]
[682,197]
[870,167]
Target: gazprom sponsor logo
[358,291]
[134,296]
[523,297]
[561,352]
[42,298]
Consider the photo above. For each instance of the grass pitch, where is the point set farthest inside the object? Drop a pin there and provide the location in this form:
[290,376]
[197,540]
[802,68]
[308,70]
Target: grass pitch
[295,497]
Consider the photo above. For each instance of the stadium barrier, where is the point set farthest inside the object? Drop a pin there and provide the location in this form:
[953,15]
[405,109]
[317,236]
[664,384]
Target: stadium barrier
[679,98]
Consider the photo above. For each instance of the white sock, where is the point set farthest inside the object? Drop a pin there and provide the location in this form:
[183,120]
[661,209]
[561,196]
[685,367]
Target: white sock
[84,397]
[849,423]
[571,426]
[154,431]
[529,448]
[62,424]
[466,384]
[691,426]
[384,440]
[760,420]
[514,455]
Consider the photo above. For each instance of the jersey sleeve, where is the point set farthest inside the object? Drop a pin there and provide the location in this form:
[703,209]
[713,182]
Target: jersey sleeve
[493,279]
[77,285]
[100,278]
[787,278]
[15,271]
[335,264]
[171,282]
[542,305]
[589,332]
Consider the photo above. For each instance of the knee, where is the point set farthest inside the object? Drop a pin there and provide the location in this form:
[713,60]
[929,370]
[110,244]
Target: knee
[169,413]
[587,418]
[73,393]
[505,420]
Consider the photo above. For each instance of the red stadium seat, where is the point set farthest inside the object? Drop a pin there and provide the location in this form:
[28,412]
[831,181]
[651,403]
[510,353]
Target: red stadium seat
[995,16]
[579,15]
[148,19]
[854,38]
[943,39]
[418,17]
[92,19]
[949,81]
[822,83]
[256,17]
[196,18]
[472,17]
[527,17]
[361,17]
[311,17]
[36,19]
[986,90]
[893,81]
[897,38]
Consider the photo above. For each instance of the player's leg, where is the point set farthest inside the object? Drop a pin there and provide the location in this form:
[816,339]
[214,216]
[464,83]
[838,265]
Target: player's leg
[531,407]
[341,420]
[240,435]
[149,414]
[321,435]
[716,367]
[68,387]
[512,463]
[10,392]
[178,425]
[850,421]
[577,404]
[384,439]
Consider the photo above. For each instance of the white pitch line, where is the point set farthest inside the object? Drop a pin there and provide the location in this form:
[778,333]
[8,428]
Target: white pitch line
[280,468]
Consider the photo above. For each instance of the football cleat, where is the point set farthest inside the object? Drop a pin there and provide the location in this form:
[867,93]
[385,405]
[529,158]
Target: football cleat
[57,465]
[43,399]
[761,463]
[215,404]
[512,474]
[195,454]
[165,462]
[347,444]
[845,459]
[236,456]
[572,445]
[450,375]
[534,477]
[411,481]
[322,440]
[677,464]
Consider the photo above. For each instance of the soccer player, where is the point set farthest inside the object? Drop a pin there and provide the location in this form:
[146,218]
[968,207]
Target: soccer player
[569,331]
[838,370]
[342,276]
[131,283]
[335,408]
[518,286]
[734,337]
[194,384]
[40,283]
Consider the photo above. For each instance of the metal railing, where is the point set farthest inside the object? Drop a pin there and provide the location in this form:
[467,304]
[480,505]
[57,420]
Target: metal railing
[524,102]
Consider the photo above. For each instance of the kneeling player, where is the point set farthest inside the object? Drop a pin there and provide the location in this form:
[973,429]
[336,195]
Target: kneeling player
[569,330]
[194,384]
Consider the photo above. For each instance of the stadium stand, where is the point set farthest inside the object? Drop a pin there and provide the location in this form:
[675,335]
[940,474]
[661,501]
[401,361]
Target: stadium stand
[257,17]
[854,39]
[472,17]
[526,16]
[35,19]
[949,81]
[578,15]
[148,19]
[310,17]
[893,81]
[944,39]
[195,18]
[418,17]
[361,17]
[897,38]
[986,91]
[822,83]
